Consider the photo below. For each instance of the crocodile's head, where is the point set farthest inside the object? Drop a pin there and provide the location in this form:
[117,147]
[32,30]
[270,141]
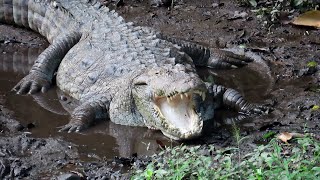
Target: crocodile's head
[166,97]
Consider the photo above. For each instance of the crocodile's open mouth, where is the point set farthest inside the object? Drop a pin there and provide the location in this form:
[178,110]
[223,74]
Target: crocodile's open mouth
[178,114]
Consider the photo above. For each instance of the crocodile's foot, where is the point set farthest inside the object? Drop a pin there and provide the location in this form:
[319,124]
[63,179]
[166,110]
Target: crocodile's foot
[227,59]
[81,118]
[73,126]
[256,110]
[31,84]
[234,120]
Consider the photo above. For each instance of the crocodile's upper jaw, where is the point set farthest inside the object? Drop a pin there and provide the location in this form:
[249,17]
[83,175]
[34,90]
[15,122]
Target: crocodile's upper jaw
[177,114]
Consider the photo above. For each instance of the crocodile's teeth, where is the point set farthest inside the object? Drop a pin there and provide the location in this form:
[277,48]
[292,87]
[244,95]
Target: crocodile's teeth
[203,95]
[181,96]
[168,99]
[171,98]
[187,95]
[54,4]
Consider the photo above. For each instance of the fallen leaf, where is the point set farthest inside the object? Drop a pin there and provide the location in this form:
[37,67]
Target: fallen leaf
[310,18]
[285,137]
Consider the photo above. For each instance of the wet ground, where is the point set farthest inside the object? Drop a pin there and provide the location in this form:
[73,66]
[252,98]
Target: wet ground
[31,146]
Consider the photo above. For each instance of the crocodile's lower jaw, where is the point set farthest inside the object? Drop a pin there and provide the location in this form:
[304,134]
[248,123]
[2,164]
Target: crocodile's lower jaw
[180,120]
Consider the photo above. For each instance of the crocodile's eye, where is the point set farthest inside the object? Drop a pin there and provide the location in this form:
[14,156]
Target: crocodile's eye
[140,84]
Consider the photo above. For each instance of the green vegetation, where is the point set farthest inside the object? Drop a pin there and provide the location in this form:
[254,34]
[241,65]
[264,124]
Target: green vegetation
[292,3]
[315,108]
[315,88]
[276,160]
[269,135]
[271,10]
[312,64]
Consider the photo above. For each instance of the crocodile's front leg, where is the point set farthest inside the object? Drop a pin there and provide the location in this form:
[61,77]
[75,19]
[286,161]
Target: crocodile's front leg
[210,57]
[84,115]
[233,99]
[42,72]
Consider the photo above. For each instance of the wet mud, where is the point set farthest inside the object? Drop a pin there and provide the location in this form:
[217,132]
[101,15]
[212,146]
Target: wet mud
[32,147]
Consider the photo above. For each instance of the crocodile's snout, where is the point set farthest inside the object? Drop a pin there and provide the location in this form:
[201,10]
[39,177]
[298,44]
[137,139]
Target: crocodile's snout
[178,116]
[167,99]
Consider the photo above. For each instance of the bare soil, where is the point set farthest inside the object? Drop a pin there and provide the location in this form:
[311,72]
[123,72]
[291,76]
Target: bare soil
[293,89]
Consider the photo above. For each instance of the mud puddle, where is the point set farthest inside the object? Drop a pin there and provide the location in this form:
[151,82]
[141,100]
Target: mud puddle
[41,114]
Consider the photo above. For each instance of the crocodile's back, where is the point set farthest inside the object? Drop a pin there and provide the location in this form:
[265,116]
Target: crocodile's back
[110,53]
[107,57]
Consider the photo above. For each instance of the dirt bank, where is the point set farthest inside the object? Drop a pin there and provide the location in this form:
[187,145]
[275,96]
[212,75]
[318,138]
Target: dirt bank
[293,90]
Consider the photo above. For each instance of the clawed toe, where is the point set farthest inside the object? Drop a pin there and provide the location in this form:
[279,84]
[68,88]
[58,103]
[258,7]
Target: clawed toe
[226,59]
[263,110]
[71,127]
[24,87]
[257,110]
[34,88]
[235,61]
[31,84]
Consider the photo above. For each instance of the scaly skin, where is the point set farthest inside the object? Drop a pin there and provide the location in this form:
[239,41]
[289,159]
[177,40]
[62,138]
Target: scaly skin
[130,74]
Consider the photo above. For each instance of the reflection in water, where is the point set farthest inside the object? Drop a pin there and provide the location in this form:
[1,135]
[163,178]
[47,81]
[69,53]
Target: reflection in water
[18,62]
[47,111]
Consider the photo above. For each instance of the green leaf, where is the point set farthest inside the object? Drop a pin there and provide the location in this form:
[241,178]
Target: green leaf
[160,173]
[269,135]
[312,64]
[315,107]
[317,170]
[297,2]
[148,173]
[242,46]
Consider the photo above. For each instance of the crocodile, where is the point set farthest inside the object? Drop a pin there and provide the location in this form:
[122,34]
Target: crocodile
[132,75]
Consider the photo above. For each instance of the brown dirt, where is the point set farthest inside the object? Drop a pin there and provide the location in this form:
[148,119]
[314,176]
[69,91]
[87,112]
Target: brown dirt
[285,48]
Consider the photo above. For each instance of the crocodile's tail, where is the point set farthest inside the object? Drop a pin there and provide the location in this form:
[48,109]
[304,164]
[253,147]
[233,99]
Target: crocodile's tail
[43,16]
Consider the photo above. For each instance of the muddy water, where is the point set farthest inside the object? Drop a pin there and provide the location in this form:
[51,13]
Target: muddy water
[42,114]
